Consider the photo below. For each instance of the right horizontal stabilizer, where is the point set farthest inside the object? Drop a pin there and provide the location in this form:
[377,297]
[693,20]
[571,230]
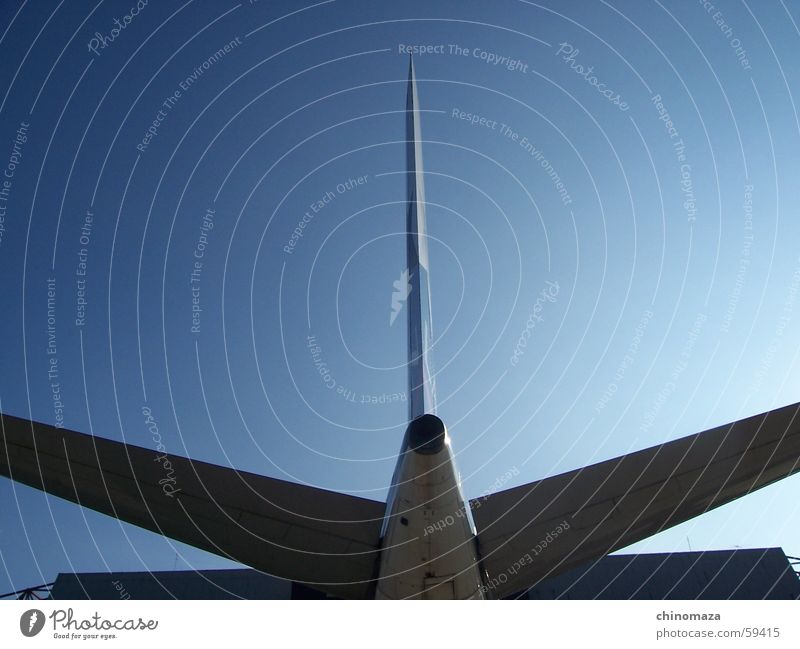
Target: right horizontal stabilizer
[543,528]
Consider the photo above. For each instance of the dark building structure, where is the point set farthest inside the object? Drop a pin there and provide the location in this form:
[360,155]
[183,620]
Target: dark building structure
[724,574]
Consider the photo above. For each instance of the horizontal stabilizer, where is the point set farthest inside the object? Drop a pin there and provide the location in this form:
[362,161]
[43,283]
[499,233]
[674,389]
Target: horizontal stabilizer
[543,528]
[325,539]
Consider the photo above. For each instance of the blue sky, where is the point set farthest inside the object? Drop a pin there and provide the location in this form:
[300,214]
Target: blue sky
[651,195]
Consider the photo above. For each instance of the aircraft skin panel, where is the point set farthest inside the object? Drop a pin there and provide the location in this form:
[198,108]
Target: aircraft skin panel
[325,539]
[543,528]
[429,544]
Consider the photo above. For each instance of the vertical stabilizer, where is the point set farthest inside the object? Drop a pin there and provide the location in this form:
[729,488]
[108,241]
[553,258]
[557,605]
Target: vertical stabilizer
[421,389]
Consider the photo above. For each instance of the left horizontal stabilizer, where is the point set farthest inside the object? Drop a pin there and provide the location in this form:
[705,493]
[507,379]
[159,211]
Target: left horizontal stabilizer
[323,538]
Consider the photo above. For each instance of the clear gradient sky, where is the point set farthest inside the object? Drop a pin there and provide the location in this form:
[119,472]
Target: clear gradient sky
[613,222]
